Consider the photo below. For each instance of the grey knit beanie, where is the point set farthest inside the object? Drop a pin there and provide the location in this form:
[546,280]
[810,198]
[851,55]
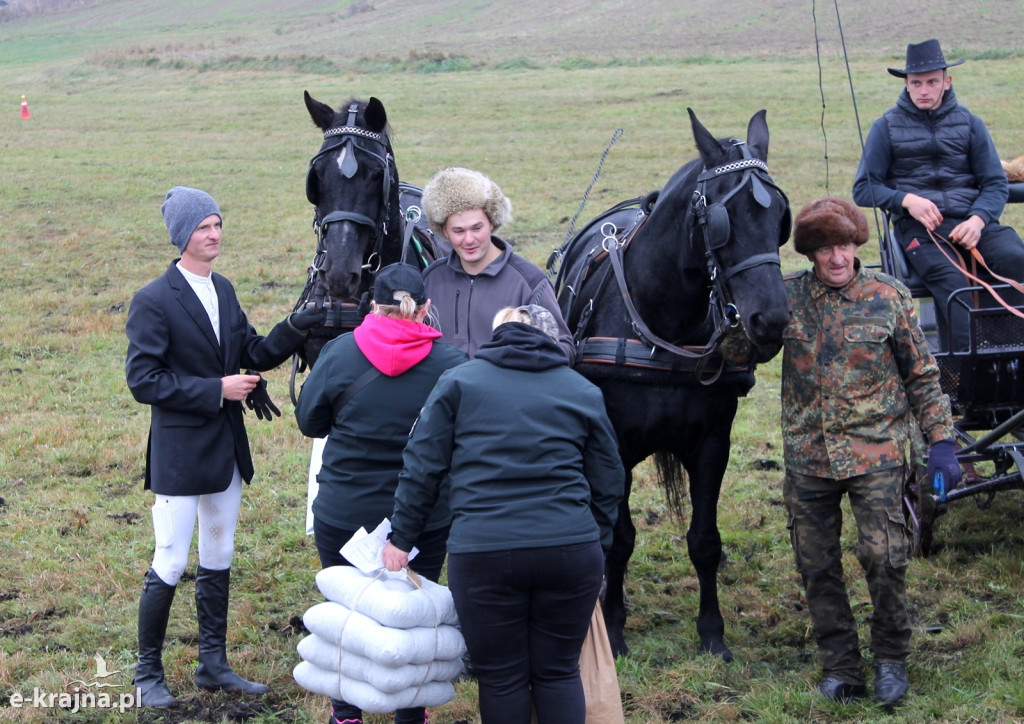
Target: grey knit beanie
[183,210]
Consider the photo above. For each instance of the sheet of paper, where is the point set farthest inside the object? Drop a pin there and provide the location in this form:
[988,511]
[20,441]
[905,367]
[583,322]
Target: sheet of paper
[364,550]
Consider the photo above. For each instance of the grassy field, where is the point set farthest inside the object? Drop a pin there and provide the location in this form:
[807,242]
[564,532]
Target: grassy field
[128,100]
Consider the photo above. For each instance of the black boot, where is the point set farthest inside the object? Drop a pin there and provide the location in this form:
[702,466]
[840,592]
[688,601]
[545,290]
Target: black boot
[154,609]
[213,671]
[417,715]
[344,713]
[890,683]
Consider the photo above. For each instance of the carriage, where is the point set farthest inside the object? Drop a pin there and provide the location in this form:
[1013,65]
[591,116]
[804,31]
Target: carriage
[985,385]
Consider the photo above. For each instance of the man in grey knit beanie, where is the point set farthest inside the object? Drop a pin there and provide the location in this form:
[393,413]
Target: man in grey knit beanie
[183,210]
[188,343]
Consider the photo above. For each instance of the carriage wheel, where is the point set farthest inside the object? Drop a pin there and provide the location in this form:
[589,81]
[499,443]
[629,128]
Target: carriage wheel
[919,507]
[927,513]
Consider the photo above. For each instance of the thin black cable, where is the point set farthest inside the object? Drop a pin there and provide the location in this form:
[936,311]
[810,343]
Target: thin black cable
[856,115]
[849,75]
[821,88]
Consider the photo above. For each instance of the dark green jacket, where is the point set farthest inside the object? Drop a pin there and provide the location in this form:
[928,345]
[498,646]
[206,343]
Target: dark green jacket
[532,457]
[363,454]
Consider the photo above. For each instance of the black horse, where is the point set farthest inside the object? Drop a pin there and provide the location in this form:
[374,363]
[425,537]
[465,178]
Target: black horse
[353,184]
[674,299]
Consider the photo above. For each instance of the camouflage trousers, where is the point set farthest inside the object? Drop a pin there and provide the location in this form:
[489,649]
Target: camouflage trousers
[815,523]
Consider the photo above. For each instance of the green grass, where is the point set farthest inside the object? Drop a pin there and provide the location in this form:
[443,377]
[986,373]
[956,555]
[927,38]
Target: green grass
[124,109]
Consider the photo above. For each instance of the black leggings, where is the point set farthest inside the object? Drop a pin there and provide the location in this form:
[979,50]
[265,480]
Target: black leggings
[429,562]
[524,615]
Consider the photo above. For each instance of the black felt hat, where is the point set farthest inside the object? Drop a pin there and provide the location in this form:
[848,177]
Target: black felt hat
[923,58]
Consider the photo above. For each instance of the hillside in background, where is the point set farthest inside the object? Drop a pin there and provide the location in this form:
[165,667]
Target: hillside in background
[339,34]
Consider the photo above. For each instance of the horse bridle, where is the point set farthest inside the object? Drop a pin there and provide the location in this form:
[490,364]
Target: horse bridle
[342,137]
[335,138]
[713,221]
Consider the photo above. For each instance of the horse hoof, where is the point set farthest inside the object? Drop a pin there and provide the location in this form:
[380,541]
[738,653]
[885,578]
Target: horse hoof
[718,648]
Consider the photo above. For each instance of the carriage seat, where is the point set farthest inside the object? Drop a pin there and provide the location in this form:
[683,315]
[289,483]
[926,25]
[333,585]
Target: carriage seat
[895,264]
[1016,193]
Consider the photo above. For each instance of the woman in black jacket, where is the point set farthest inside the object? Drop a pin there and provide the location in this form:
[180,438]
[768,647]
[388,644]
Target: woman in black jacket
[535,481]
[385,369]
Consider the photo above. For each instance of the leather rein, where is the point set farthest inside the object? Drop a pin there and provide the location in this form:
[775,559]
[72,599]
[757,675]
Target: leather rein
[976,258]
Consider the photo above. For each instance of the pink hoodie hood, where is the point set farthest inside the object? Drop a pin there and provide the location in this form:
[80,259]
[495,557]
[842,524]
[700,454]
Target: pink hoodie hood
[394,345]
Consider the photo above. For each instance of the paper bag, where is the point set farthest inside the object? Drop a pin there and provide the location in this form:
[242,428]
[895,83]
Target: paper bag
[597,670]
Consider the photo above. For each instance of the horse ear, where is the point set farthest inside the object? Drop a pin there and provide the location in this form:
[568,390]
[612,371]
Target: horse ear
[321,113]
[376,116]
[757,135]
[707,145]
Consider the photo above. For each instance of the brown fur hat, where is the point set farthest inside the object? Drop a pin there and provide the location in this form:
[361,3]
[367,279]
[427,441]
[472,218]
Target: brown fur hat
[827,222]
[1014,169]
[456,189]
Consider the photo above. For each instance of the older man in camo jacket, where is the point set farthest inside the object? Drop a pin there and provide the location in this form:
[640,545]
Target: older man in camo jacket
[856,375]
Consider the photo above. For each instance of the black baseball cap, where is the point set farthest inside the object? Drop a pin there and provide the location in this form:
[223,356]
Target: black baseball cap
[398,277]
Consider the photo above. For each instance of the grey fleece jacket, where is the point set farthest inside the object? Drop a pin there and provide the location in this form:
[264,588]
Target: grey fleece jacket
[465,304]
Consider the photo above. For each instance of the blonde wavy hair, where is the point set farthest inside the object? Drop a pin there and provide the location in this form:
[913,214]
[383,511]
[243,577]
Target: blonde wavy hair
[406,309]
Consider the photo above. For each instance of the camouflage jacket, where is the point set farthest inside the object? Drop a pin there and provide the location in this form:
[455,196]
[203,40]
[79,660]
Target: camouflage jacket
[856,372]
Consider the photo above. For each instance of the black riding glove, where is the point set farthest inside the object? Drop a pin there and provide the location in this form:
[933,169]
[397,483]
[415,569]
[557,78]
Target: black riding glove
[364,305]
[307,318]
[259,400]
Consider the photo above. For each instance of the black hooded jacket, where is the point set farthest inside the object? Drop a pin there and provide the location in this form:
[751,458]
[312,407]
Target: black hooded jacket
[532,457]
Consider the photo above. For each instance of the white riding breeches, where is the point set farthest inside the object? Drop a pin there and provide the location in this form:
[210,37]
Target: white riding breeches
[174,518]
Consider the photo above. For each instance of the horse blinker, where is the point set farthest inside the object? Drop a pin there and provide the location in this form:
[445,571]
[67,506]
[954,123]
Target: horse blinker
[716,225]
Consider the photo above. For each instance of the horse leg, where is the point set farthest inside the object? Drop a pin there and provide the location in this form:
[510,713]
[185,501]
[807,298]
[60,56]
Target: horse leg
[706,469]
[704,544]
[614,604]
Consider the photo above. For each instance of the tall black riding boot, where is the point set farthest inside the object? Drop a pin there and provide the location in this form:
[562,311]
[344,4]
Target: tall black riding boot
[154,609]
[213,671]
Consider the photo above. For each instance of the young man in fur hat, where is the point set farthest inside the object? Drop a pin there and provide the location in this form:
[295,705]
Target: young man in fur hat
[932,164]
[856,376]
[483,275]
[188,338]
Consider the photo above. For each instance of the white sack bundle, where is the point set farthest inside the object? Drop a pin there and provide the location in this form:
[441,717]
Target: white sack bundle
[389,679]
[365,696]
[390,599]
[388,646]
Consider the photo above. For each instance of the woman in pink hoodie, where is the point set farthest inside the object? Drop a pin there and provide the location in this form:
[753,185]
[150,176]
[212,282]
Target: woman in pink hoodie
[364,394]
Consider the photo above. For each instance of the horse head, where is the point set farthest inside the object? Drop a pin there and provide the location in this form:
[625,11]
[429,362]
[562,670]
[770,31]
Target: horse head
[736,220]
[353,183]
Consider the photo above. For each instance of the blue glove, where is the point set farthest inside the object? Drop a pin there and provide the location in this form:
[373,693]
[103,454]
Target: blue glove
[942,459]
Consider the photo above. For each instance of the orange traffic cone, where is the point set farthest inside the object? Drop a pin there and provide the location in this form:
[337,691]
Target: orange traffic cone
[24,108]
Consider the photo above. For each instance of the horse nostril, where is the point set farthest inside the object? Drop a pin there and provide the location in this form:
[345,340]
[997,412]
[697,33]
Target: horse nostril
[767,327]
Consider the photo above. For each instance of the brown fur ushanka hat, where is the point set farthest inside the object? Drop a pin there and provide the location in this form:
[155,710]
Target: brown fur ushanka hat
[456,189]
[828,222]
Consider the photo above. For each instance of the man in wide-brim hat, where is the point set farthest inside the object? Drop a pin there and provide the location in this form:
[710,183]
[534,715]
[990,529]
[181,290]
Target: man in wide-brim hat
[923,58]
[932,165]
